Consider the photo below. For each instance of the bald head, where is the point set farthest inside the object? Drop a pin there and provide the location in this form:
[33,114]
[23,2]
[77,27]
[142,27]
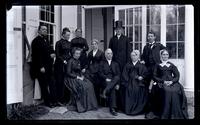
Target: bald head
[108,54]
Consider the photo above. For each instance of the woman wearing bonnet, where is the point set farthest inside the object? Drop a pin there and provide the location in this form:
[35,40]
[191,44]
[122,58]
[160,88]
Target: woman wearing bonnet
[173,100]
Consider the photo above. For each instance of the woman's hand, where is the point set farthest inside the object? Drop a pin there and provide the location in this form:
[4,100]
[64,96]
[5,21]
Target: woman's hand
[140,78]
[83,70]
[108,80]
[168,83]
[80,78]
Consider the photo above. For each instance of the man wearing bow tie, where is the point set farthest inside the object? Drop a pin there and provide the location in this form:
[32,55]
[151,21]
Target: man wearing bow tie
[150,57]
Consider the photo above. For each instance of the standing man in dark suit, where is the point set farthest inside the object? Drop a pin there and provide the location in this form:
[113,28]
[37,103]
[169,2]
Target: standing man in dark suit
[121,47]
[63,54]
[95,56]
[150,57]
[42,61]
[110,75]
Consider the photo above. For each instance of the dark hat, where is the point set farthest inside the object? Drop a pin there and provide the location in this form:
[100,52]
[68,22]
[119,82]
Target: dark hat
[118,24]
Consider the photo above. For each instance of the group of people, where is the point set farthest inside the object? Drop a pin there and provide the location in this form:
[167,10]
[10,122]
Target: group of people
[131,82]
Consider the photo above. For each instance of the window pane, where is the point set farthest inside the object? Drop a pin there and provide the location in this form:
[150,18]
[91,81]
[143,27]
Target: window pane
[47,8]
[127,29]
[138,33]
[181,33]
[138,15]
[130,17]
[130,32]
[51,29]
[52,17]
[171,33]
[138,46]
[52,9]
[126,16]
[42,15]
[172,50]
[153,15]
[171,14]
[122,16]
[181,50]
[181,14]
[156,30]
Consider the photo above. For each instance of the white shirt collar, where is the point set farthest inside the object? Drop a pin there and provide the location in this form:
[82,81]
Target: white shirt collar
[165,63]
[118,36]
[152,43]
[109,61]
[134,63]
[94,52]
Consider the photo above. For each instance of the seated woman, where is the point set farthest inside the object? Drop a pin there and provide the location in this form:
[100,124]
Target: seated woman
[173,99]
[136,90]
[83,96]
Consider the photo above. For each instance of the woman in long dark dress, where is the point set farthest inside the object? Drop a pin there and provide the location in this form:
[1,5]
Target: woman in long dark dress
[173,99]
[81,43]
[82,92]
[95,56]
[136,90]
[63,54]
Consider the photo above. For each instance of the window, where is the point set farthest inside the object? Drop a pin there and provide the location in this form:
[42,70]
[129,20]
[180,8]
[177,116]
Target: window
[175,30]
[138,29]
[154,20]
[132,21]
[47,18]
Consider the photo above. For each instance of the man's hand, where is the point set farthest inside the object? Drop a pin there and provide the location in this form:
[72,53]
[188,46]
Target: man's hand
[42,70]
[65,62]
[140,78]
[108,80]
[53,55]
[117,87]
[142,62]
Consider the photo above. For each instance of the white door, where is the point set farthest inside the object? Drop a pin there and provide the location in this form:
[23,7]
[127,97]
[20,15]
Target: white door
[14,55]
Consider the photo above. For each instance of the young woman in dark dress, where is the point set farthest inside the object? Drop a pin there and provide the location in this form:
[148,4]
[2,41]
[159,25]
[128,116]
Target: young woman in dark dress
[82,92]
[95,56]
[136,92]
[81,43]
[173,100]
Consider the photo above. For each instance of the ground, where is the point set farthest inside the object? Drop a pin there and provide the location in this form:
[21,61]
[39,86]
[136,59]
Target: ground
[103,113]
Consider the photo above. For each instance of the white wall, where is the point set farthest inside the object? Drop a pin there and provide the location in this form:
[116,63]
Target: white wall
[69,18]
[14,84]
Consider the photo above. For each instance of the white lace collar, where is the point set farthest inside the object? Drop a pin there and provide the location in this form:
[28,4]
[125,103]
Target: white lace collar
[165,63]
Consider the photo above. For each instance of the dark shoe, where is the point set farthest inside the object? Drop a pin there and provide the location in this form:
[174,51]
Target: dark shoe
[50,105]
[113,112]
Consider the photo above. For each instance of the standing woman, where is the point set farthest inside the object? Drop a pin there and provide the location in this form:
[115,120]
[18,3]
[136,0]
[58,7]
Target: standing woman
[63,50]
[136,89]
[83,96]
[81,43]
[95,56]
[173,100]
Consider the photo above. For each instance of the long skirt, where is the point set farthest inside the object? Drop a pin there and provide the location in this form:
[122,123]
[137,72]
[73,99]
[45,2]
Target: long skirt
[135,99]
[174,102]
[82,94]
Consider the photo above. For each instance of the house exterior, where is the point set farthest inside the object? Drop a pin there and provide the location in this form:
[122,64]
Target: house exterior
[173,25]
